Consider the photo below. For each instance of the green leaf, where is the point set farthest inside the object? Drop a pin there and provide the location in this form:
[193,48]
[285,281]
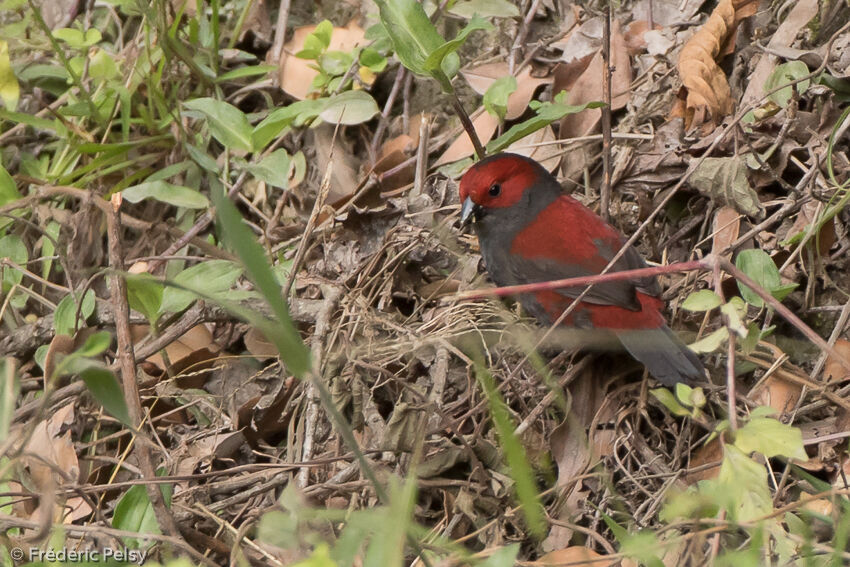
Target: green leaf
[244,72]
[504,556]
[437,59]
[372,60]
[134,513]
[770,437]
[741,486]
[413,35]
[758,265]
[282,333]
[350,107]
[669,401]
[10,90]
[102,66]
[496,97]
[735,311]
[165,192]
[485,9]
[710,343]
[272,169]
[105,389]
[547,113]
[76,38]
[8,188]
[95,344]
[9,389]
[785,73]
[515,455]
[227,124]
[13,248]
[296,114]
[702,300]
[64,318]
[214,278]
[145,295]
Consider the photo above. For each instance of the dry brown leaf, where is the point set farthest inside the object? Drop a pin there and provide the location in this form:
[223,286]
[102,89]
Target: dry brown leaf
[708,456]
[196,350]
[726,229]
[547,154]
[588,87]
[834,371]
[485,125]
[575,556]
[709,98]
[480,78]
[295,74]
[800,15]
[776,392]
[808,216]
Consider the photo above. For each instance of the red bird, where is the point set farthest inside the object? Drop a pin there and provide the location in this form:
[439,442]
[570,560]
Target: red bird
[530,231]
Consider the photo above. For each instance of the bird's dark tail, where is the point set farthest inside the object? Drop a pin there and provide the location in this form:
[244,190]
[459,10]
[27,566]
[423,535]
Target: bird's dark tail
[664,355]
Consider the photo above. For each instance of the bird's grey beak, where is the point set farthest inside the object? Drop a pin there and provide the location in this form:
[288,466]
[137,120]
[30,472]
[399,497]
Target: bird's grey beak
[469,212]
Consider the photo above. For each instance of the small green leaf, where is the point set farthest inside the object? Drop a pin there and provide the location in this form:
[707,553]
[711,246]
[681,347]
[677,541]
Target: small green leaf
[64,321]
[783,74]
[76,38]
[165,192]
[145,295]
[735,312]
[272,169]
[437,60]
[373,60]
[102,66]
[770,437]
[227,124]
[710,343]
[213,278]
[485,9]
[10,90]
[758,265]
[95,344]
[702,300]
[105,389]
[13,248]
[496,98]
[669,401]
[547,113]
[413,35]
[350,107]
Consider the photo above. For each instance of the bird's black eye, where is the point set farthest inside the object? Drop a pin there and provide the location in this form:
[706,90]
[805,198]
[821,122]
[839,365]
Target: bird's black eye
[495,189]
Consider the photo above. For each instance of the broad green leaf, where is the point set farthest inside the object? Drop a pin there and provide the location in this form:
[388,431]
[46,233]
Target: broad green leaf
[724,180]
[105,389]
[336,62]
[485,9]
[702,300]
[227,124]
[735,311]
[134,513]
[770,437]
[95,344]
[272,169]
[521,472]
[165,192]
[783,74]
[214,278]
[10,90]
[758,265]
[282,332]
[145,295]
[64,318]
[350,107]
[504,556]
[710,343]
[496,98]
[741,485]
[547,113]
[296,114]
[373,60]
[102,66]
[413,35]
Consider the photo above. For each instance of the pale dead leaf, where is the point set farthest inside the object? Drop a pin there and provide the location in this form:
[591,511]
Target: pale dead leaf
[807,217]
[708,456]
[484,124]
[834,371]
[480,78]
[776,392]
[726,229]
[547,154]
[296,75]
[575,556]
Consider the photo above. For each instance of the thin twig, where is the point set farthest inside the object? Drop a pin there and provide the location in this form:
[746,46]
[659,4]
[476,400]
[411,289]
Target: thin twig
[605,190]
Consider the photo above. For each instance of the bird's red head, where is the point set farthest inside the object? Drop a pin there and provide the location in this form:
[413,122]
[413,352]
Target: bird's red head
[499,181]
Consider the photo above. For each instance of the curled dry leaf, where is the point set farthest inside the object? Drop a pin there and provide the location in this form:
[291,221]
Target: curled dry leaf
[724,180]
[296,75]
[726,229]
[709,98]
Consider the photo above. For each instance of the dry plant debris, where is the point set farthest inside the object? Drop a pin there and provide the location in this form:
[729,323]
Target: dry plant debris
[730,138]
